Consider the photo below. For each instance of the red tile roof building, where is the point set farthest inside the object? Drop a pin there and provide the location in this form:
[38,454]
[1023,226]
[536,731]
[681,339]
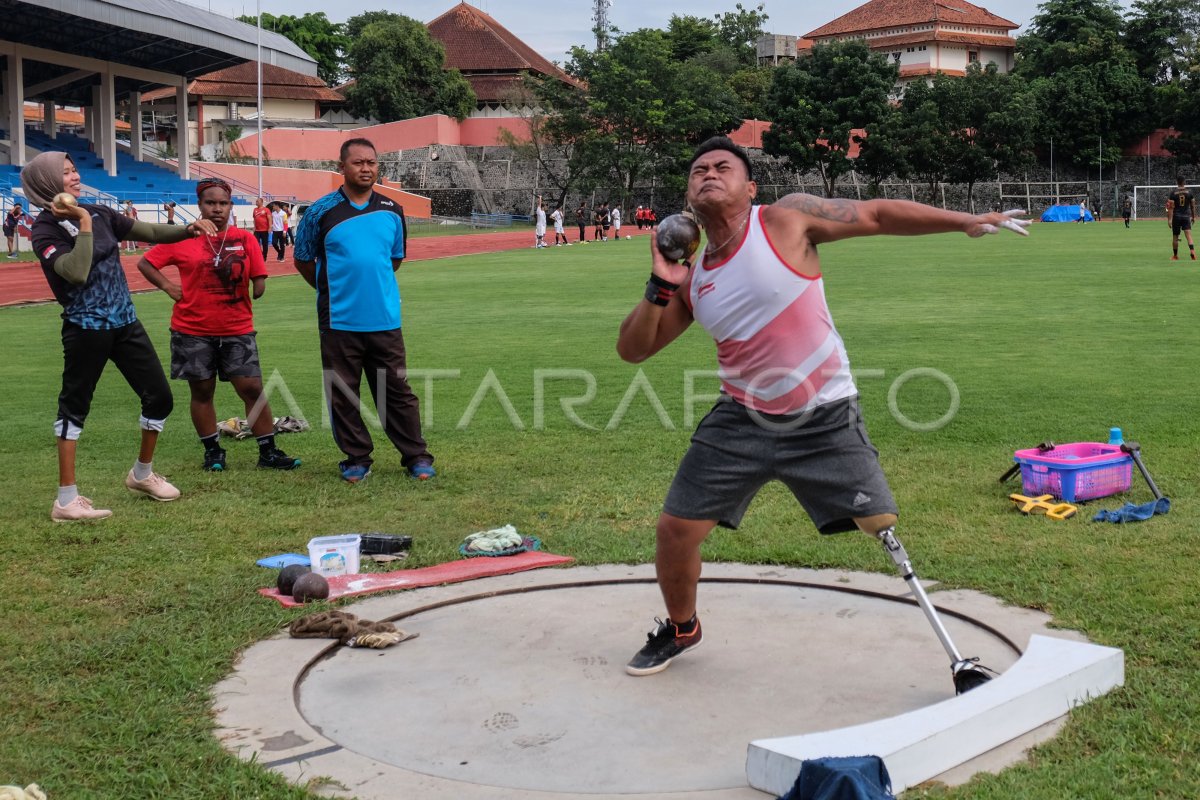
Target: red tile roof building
[489,56]
[241,83]
[925,37]
[231,94]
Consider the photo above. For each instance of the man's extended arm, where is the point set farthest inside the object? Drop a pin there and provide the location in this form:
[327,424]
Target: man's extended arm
[833,219]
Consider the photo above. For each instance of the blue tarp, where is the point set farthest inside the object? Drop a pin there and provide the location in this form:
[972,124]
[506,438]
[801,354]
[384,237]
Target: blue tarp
[1065,214]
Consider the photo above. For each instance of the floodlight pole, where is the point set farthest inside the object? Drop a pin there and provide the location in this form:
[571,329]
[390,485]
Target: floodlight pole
[1052,181]
[1147,159]
[258,14]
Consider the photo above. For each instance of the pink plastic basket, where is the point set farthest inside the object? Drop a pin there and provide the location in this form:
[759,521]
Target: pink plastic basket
[1079,471]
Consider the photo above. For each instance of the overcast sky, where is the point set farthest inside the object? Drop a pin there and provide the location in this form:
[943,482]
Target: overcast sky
[551,27]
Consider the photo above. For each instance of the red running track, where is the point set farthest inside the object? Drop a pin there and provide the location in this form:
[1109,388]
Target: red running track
[23,282]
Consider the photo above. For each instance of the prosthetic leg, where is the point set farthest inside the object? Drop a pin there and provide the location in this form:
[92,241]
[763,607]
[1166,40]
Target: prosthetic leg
[966,672]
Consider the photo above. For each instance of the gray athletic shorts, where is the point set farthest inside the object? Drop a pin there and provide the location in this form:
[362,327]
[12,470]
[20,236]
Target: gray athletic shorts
[824,456]
[198,358]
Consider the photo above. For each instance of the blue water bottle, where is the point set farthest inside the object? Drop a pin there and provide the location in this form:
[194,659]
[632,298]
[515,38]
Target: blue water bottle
[1115,437]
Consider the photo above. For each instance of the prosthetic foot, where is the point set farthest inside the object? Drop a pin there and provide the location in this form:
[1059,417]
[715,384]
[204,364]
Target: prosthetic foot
[966,672]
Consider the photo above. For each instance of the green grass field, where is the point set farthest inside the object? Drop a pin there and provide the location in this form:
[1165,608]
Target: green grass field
[114,632]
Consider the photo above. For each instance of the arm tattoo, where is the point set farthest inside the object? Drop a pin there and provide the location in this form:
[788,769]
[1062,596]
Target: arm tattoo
[823,208]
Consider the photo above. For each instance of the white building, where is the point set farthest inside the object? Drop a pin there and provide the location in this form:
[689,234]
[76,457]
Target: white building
[925,37]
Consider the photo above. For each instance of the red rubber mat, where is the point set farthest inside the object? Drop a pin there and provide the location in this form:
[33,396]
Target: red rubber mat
[452,572]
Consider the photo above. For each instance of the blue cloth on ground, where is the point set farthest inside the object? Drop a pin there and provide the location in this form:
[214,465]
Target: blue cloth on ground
[1134,513]
[1066,214]
[842,778]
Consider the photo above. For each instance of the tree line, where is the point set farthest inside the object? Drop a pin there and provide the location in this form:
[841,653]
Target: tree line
[397,67]
[1089,76]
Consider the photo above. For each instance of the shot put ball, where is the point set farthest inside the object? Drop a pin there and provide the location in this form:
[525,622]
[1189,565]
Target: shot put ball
[678,237]
[288,575]
[65,200]
[310,586]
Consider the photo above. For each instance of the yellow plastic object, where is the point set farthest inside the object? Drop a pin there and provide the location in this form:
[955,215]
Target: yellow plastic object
[1042,505]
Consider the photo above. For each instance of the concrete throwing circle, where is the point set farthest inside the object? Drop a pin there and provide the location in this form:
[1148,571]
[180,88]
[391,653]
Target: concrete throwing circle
[517,684]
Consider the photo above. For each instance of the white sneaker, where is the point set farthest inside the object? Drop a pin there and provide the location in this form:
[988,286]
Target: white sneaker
[155,487]
[78,509]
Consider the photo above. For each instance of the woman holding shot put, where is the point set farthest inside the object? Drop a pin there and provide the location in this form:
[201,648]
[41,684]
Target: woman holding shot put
[79,247]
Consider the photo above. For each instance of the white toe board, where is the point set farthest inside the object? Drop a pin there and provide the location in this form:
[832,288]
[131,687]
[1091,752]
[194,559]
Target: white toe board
[1052,677]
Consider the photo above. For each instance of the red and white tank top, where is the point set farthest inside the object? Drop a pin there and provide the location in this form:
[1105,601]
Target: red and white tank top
[777,347]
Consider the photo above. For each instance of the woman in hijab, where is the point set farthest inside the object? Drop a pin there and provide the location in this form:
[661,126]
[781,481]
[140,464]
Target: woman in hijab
[79,247]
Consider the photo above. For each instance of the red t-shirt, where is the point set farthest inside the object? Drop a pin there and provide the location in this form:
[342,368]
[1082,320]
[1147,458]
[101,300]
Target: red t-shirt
[214,274]
[262,219]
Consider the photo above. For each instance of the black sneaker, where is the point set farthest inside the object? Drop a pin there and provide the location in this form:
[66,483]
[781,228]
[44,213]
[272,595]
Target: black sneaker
[662,646]
[214,460]
[277,459]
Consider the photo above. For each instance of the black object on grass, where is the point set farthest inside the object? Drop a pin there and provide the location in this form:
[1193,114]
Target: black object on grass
[383,544]
[310,586]
[1134,449]
[288,575]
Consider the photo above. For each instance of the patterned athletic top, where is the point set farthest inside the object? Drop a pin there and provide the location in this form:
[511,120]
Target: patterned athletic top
[103,301]
[777,347]
[353,247]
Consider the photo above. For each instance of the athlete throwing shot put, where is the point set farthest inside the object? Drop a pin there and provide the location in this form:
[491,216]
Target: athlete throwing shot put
[79,247]
[788,409]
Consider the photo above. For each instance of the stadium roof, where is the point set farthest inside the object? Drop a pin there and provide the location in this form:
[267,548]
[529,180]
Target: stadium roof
[161,35]
[242,81]
[881,14]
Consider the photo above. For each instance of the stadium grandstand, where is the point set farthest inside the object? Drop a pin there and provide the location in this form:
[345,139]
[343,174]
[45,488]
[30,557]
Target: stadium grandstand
[98,56]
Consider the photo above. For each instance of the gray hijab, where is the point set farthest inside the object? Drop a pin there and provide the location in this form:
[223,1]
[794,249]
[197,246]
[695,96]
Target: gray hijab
[42,178]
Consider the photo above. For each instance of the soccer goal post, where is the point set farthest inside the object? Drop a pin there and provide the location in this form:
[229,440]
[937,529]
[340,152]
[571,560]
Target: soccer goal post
[1152,200]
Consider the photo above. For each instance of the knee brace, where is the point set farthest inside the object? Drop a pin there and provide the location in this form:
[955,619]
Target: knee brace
[67,429]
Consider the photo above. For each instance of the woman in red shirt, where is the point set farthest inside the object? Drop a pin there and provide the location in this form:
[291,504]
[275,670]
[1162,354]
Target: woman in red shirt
[212,324]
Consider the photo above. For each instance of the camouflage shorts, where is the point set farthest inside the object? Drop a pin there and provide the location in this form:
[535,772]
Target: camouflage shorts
[198,358]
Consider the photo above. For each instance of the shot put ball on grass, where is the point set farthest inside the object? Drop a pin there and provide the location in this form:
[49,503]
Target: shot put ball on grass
[288,576]
[310,586]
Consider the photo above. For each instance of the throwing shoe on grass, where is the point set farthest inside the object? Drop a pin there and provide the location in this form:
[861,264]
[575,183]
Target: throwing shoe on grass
[275,458]
[214,459]
[77,510]
[354,473]
[154,486]
[422,469]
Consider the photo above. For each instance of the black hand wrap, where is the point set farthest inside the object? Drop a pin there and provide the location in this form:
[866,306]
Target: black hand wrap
[659,291]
